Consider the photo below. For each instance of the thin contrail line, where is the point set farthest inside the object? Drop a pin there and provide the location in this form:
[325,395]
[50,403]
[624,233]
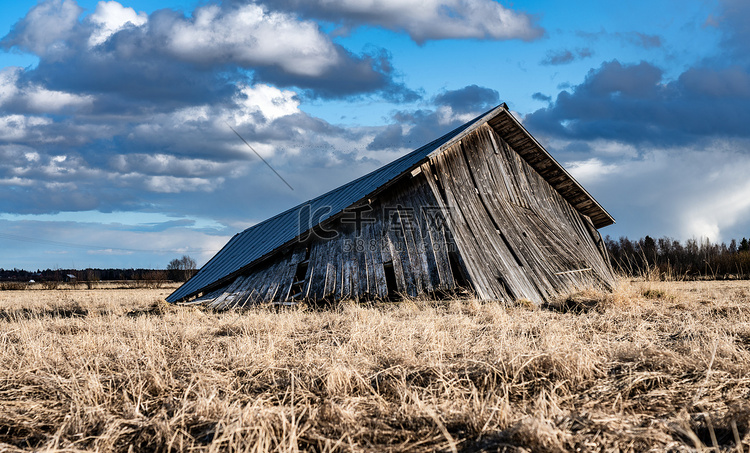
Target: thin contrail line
[261,157]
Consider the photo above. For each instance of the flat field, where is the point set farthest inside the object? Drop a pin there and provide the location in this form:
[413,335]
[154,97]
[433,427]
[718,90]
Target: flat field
[653,366]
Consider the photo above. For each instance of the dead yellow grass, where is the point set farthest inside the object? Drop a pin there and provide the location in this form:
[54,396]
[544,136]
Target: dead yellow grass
[654,366]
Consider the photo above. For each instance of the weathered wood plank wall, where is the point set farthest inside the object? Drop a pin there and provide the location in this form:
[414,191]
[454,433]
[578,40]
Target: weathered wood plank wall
[478,202]
[517,235]
[403,228]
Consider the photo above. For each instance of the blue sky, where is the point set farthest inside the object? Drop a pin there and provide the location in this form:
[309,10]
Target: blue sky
[116,151]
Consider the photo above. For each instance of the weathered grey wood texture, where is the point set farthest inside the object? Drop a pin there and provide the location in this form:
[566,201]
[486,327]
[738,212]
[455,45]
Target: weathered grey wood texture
[517,235]
[511,233]
[401,227]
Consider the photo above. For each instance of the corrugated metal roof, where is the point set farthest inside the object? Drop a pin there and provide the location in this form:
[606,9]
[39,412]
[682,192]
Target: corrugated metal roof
[264,238]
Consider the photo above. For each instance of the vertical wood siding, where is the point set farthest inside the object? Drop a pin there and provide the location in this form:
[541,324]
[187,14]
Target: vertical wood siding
[518,236]
[403,228]
[512,234]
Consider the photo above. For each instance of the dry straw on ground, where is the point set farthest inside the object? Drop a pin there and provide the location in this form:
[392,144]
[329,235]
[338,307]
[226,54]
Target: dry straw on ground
[654,366]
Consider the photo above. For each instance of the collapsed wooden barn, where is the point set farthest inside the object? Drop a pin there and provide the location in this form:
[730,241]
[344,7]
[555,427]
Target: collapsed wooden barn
[484,207]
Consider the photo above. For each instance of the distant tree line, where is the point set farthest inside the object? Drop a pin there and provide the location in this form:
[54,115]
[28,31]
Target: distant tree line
[178,270]
[663,258]
[668,258]
[90,274]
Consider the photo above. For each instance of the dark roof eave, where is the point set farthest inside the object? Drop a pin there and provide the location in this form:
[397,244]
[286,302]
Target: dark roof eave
[562,177]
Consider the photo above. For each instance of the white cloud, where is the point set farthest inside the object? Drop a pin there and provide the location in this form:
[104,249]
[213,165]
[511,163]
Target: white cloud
[590,170]
[278,46]
[64,167]
[613,148]
[16,160]
[60,186]
[8,79]
[48,101]
[427,20]
[111,17]
[683,192]
[166,164]
[270,101]
[36,98]
[17,127]
[46,27]
[110,252]
[171,184]
[254,109]
[249,35]
[446,116]
[722,205]
[133,246]
[251,101]
[16,181]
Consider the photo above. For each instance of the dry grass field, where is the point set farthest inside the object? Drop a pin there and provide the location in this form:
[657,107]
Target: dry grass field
[654,366]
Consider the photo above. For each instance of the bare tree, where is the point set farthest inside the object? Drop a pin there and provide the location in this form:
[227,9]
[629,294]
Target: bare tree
[181,269]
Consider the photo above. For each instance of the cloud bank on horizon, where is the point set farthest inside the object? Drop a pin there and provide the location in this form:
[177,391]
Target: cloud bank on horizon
[114,142]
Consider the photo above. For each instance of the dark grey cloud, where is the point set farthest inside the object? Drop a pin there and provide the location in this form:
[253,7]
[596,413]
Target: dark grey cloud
[157,226]
[734,21]
[149,84]
[392,136]
[422,126]
[644,40]
[414,128]
[560,57]
[354,76]
[541,97]
[635,38]
[469,99]
[585,52]
[422,20]
[632,103]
